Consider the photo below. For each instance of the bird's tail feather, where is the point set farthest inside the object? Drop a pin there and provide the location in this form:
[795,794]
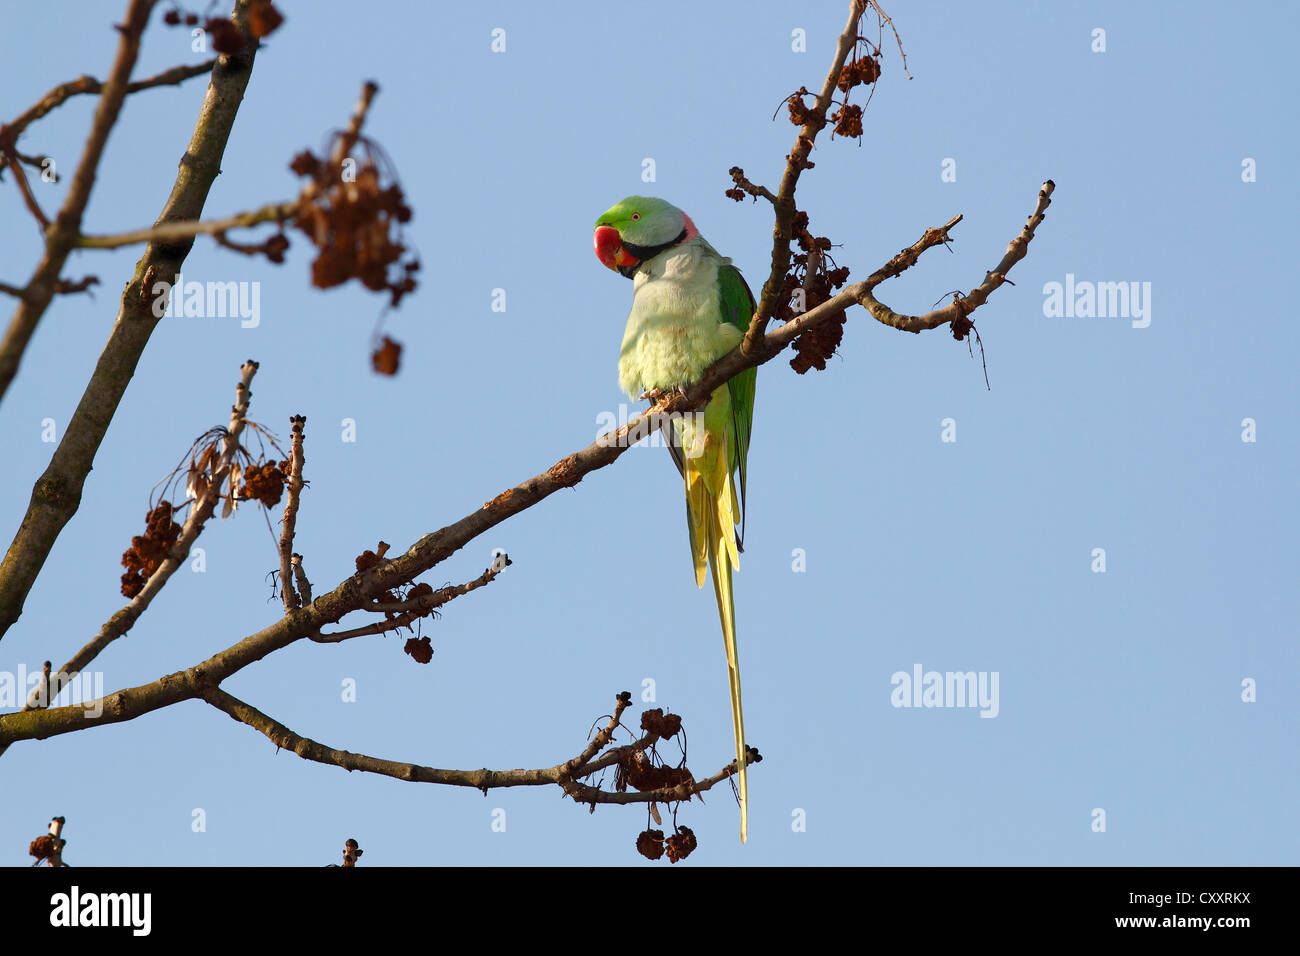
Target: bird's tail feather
[726,611]
[711,511]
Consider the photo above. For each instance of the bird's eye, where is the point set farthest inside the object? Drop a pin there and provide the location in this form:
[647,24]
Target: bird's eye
[636,217]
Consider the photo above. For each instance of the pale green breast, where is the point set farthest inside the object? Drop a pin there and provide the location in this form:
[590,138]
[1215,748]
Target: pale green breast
[675,329]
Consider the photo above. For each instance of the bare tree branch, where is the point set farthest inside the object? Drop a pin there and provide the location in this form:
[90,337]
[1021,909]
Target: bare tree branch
[410,610]
[20,177]
[300,578]
[61,287]
[961,306]
[796,162]
[287,590]
[175,231]
[602,738]
[40,289]
[349,138]
[88,84]
[738,177]
[37,161]
[204,506]
[561,775]
[273,212]
[57,493]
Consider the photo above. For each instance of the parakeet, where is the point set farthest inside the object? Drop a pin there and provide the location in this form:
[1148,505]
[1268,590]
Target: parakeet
[690,306]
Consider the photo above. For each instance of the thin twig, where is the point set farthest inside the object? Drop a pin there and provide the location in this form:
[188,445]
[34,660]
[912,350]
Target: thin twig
[796,161]
[122,621]
[173,231]
[483,780]
[61,287]
[300,578]
[602,738]
[908,257]
[40,288]
[409,611]
[292,601]
[88,84]
[20,177]
[349,138]
[585,793]
[57,493]
[738,177]
[962,305]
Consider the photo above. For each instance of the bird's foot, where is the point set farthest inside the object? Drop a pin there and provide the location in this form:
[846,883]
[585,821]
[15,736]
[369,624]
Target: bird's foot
[655,394]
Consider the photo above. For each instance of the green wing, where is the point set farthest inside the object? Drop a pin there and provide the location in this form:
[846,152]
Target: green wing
[738,308]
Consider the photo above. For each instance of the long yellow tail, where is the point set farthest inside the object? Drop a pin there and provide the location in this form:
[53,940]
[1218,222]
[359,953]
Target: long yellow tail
[712,510]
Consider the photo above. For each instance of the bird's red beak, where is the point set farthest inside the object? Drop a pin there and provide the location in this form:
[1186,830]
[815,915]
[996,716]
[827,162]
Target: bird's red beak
[609,248]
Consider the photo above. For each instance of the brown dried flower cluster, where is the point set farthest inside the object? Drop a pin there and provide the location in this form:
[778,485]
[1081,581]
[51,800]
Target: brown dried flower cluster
[353,213]
[419,591]
[47,845]
[366,560]
[386,357]
[651,844]
[655,721]
[175,18]
[638,770]
[420,649]
[809,272]
[799,113]
[263,20]
[681,844]
[848,120]
[265,482]
[248,480]
[148,551]
[864,70]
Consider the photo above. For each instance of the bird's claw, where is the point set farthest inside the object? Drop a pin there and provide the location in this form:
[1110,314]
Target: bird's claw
[655,394]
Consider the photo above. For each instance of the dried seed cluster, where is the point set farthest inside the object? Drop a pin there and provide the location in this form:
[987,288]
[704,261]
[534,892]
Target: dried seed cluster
[46,845]
[638,770]
[148,551]
[652,845]
[226,37]
[386,357]
[655,721]
[809,272]
[420,649]
[353,214]
[265,482]
[863,71]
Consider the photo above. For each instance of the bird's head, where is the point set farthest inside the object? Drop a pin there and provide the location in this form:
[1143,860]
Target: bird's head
[638,229]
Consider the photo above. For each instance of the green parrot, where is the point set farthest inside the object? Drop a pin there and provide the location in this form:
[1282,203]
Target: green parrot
[690,306]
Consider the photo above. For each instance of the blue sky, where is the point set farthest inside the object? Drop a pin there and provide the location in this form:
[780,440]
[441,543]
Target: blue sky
[1120,691]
